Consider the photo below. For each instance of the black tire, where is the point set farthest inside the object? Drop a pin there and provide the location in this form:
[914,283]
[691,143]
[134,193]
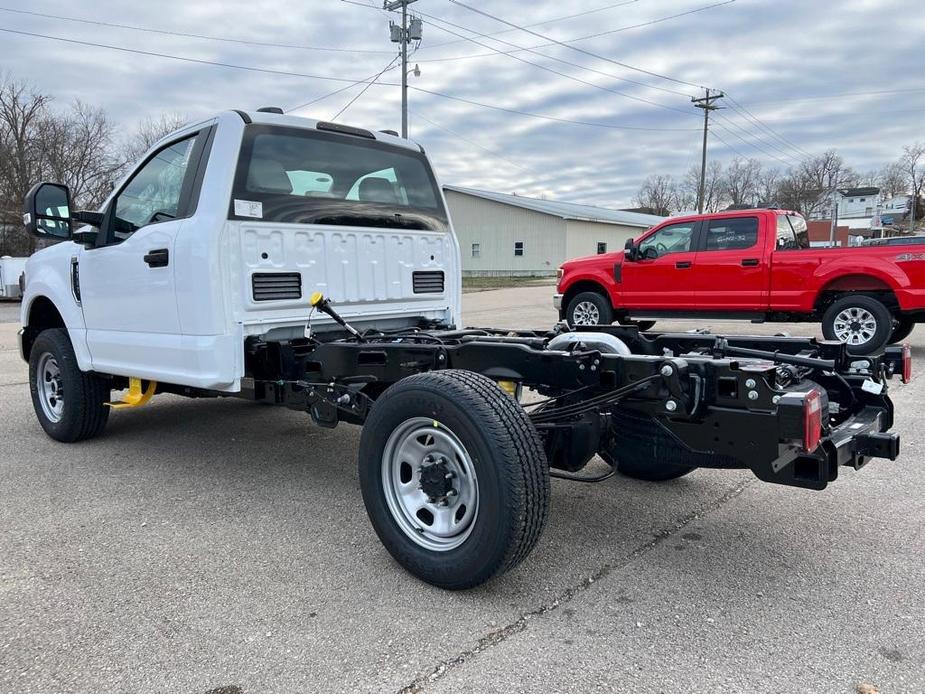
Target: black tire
[83,412]
[643,325]
[511,475]
[865,306]
[641,449]
[587,303]
[902,328]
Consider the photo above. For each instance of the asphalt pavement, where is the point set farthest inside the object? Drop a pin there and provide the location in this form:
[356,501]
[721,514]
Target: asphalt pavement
[222,546]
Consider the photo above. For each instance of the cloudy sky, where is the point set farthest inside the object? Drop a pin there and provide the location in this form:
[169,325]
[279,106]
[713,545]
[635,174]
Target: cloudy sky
[803,76]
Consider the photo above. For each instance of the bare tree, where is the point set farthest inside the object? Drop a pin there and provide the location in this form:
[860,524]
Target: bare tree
[892,180]
[912,163]
[740,182]
[768,186]
[149,131]
[658,193]
[713,193]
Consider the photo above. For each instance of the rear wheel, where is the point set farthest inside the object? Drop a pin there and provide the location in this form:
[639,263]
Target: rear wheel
[454,478]
[861,322]
[589,308]
[902,328]
[70,404]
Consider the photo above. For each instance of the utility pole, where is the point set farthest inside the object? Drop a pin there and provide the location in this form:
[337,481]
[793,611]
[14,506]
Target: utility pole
[834,225]
[707,104]
[404,35]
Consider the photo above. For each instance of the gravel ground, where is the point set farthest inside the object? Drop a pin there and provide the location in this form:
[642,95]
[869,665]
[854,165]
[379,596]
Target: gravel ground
[202,545]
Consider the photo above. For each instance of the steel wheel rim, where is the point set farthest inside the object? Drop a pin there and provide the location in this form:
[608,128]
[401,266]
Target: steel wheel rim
[439,523]
[586,313]
[50,387]
[855,326]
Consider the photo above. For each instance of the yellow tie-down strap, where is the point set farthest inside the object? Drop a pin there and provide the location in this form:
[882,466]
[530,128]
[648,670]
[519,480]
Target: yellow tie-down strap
[135,396]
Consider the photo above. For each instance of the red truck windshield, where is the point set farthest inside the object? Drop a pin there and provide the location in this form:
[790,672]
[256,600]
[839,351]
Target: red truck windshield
[792,232]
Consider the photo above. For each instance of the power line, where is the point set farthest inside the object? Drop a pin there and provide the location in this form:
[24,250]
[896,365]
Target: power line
[764,126]
[199,61]
[548,69]
[546,21]
[166,32]
[729,125]
[567,42]
[750,144]
[841,95]
[364,89]
[350,82]
[337,91]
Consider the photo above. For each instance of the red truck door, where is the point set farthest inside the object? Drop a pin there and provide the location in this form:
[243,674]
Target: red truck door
[664,280]
[731,268]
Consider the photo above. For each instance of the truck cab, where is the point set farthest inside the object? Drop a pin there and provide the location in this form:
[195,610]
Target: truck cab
[220,234]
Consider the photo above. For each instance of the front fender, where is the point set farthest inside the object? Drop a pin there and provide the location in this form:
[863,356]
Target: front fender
[48,276]
[600,276]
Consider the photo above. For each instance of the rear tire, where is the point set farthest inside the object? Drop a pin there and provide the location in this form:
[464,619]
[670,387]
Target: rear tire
[454,478]
[589,308]
[901,330]
[70,404]
[860,321]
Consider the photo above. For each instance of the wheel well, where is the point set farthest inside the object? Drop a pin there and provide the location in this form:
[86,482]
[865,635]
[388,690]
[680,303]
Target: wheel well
[583,286]
[857,284]
[42,316]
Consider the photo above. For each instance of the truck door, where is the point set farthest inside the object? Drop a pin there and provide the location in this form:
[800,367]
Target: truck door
[661,276]
[731,269]
[126,282]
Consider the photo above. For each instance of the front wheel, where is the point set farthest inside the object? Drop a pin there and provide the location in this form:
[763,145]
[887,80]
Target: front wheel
[589,308]
[454,478]
[70,404]
[861,322]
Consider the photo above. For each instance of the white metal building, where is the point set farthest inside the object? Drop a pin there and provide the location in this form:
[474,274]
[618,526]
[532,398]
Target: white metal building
[512,235]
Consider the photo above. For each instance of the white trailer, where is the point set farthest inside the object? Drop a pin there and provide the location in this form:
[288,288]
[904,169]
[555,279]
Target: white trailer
[10,271]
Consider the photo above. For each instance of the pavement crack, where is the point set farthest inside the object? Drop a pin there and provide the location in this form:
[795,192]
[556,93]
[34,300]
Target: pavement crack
[500,635]
[7,385]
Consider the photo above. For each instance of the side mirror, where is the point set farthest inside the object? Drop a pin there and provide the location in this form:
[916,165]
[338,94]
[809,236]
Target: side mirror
[47,212]
[630,250]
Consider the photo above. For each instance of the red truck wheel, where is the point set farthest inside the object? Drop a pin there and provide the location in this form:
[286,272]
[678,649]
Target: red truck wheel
[860,321]
[589,308]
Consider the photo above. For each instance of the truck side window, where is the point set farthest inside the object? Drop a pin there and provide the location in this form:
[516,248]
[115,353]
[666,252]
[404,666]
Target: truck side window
[675,238]
[153,193]
[732,234]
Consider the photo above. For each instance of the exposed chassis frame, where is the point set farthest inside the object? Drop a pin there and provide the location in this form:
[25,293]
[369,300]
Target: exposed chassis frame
[719,396]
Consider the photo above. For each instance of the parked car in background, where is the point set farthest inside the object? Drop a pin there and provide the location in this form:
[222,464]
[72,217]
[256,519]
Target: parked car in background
[753,265]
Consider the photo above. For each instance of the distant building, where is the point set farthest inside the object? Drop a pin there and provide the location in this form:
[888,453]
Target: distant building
[512,235]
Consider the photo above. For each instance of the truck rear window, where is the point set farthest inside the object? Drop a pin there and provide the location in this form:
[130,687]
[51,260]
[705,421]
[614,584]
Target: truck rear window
[792,232]
[304,176]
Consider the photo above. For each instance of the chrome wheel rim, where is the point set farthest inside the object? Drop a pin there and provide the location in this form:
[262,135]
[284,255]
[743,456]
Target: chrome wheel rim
[855,326]
[50,387]
[430,484]
[586,313]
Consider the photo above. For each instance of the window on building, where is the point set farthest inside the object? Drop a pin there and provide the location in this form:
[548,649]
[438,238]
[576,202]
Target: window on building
[601,247]
[518,248]
[862,200]
[476,250]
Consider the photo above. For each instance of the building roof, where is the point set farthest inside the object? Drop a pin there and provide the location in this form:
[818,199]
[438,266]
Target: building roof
[855,192]
[565,210]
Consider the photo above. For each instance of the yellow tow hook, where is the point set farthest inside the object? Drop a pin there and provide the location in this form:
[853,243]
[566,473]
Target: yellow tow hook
[135,396]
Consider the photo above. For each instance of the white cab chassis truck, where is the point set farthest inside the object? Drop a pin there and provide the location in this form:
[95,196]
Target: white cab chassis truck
[314,266]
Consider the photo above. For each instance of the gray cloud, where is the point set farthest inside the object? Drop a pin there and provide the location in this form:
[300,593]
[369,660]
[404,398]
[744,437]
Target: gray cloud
[776,58]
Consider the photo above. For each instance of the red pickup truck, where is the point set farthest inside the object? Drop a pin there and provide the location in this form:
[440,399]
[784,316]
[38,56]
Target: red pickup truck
[752,265]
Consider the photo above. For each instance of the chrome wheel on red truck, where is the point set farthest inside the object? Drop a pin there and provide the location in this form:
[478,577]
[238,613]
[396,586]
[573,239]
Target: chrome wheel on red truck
[589,308]
[860,321]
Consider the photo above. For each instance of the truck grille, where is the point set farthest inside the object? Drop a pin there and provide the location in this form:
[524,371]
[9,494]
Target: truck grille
[276,286]
[428,282]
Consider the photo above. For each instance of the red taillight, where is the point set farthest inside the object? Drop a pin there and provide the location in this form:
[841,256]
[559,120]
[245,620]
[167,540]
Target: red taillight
[812,420]
[907,363]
